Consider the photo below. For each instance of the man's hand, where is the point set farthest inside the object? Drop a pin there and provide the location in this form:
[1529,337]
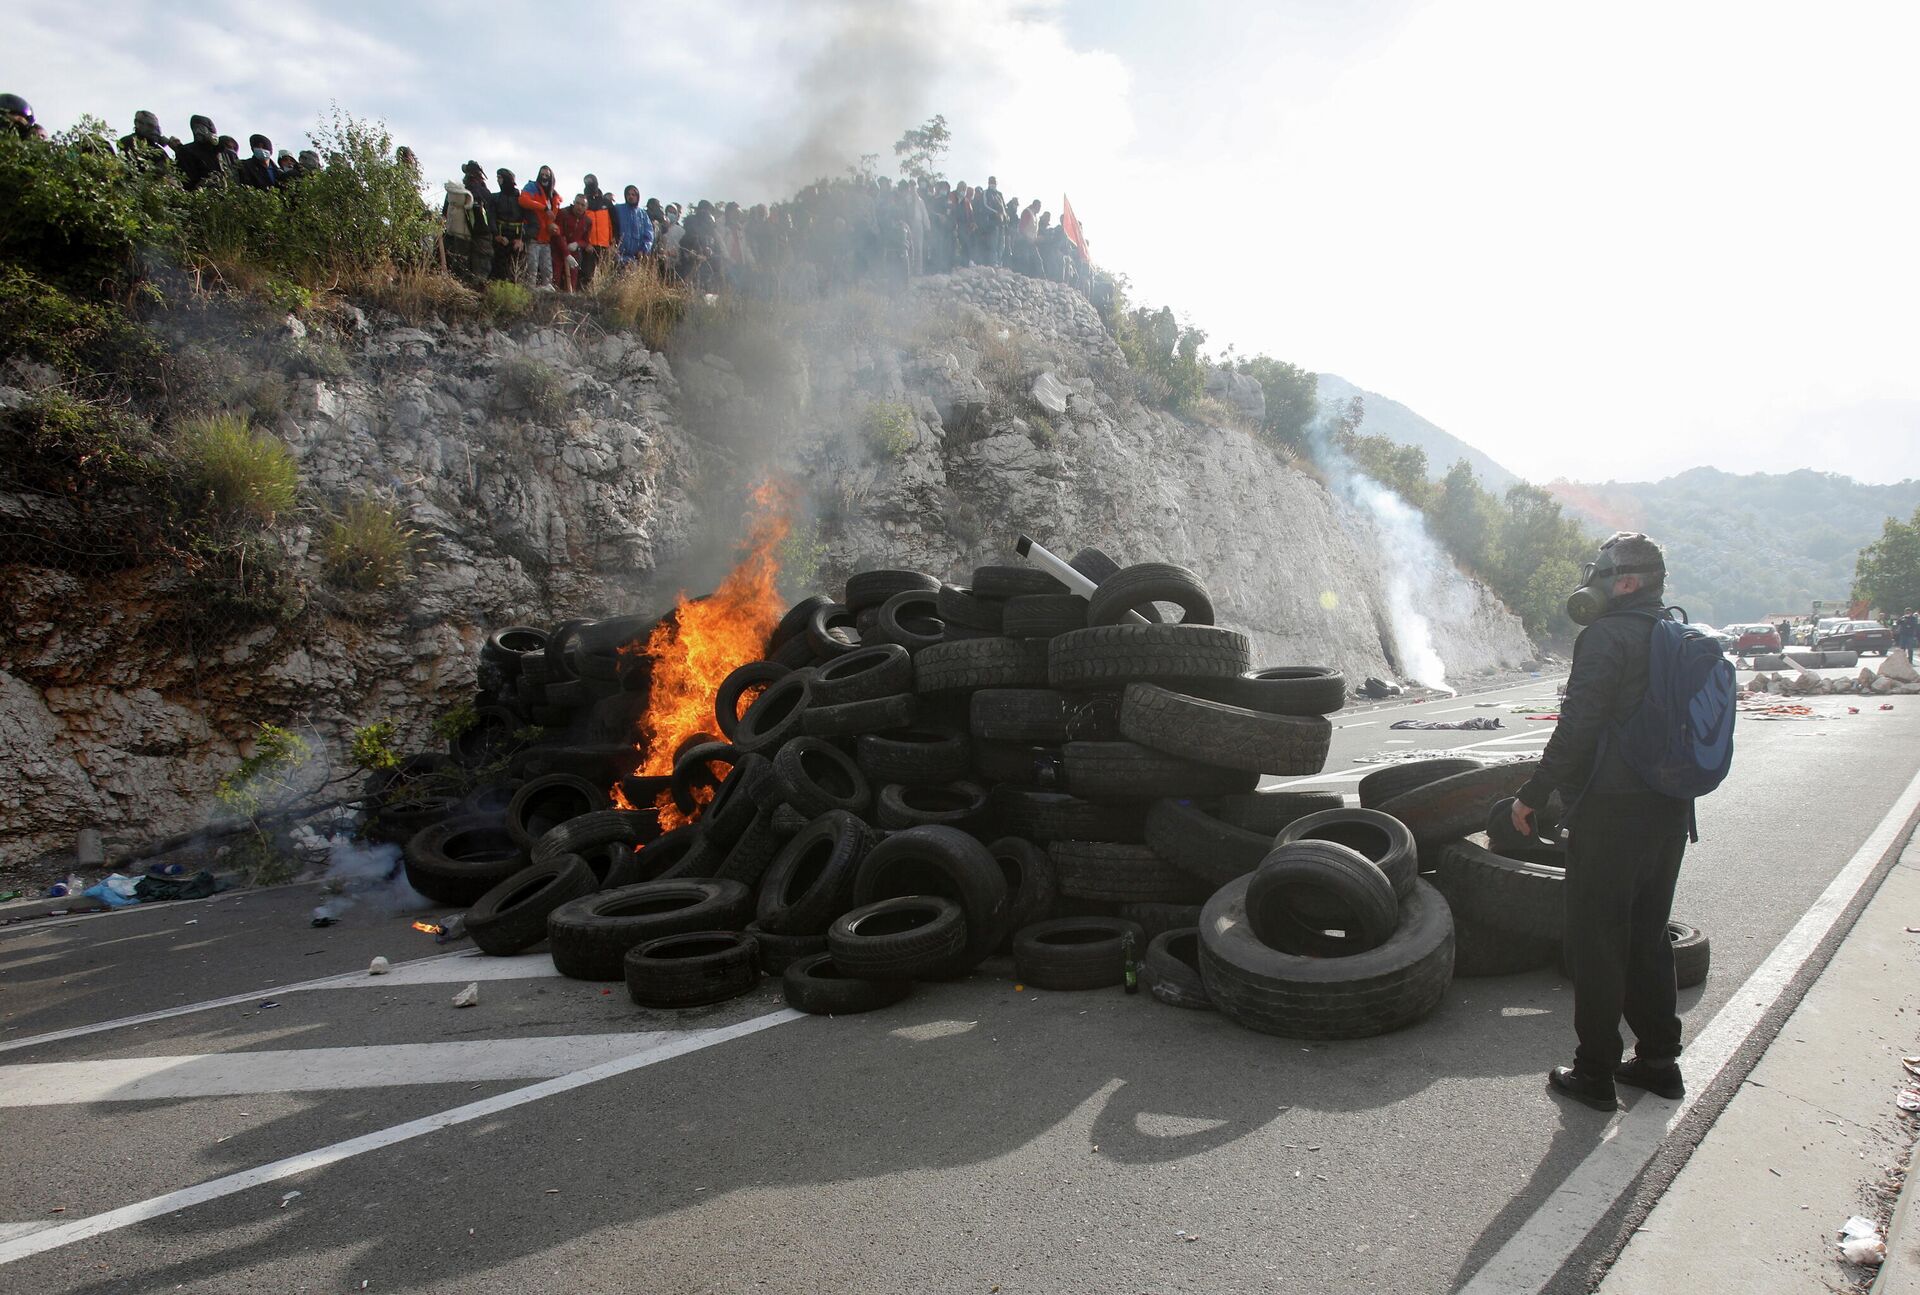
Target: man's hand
[1522,818]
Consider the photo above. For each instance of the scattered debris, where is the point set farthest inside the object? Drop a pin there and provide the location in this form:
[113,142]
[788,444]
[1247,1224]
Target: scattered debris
[288,1197]
[1907,1099]
[1861,1242]
[379,967]
[469,996]
[268,1005]
[1478,722]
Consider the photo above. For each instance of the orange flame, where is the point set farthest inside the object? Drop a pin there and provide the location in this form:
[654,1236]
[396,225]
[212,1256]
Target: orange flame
[703,642]
[429,927]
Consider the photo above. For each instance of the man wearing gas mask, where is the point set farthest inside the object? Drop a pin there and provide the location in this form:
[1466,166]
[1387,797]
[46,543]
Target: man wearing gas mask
[1625,840]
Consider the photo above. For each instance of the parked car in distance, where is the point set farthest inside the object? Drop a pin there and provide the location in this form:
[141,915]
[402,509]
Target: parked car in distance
[1722,637]
[1857,636]
[1754,638]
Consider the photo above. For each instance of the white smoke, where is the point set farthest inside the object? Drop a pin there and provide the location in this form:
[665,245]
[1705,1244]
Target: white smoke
[369,873]
[1419,575]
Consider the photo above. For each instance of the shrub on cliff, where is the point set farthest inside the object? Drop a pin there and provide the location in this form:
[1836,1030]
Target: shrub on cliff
[238,473]
[368,548]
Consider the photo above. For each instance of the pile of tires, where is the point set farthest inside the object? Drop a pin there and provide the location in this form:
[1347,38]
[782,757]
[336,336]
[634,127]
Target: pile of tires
[1506,891]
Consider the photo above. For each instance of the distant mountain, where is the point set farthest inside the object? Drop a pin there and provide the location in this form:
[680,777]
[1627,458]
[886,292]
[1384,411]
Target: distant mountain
[1743,546]
[1393,420]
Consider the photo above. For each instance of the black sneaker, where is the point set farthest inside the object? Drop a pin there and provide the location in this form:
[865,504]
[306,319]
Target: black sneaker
[1661,1078]
[1589,1090]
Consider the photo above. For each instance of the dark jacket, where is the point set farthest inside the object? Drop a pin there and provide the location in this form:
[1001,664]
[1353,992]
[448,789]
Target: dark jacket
[1608,680]
[255,173]
[199,161]
[508,219]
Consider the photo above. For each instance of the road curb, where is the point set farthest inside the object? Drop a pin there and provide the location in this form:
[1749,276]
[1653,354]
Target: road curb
[1900,1275]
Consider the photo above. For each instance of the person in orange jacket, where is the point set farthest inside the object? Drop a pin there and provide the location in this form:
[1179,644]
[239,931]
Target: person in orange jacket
[540,198]
[600,227]
[572,251]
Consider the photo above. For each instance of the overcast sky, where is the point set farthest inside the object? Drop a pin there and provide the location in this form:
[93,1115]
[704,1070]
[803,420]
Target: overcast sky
[1596,241]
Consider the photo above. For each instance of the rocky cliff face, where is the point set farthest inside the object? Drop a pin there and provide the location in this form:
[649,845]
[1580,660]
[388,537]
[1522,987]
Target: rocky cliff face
[557,472]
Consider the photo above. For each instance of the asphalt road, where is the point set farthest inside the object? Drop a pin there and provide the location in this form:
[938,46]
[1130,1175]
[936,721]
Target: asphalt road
[976,1137]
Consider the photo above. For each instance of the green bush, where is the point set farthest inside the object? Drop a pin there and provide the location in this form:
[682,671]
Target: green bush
[507,300]
[239,474]
[889,428]
[94,343]
[70,208]
[367,548]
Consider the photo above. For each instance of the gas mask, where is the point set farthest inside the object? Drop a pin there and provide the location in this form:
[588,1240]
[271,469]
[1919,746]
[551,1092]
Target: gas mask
[1590,601]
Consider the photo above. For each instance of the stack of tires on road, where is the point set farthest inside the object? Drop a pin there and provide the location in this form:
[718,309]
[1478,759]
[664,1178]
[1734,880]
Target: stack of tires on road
[920,775]
[1505,890]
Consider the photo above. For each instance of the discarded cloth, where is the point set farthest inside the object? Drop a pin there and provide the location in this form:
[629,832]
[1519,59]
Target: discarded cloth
[198,886]
[1477,722]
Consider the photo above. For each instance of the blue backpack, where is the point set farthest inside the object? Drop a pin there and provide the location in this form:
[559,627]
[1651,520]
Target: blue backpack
[1680,738]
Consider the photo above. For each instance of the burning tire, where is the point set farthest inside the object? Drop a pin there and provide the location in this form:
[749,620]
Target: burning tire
[776,714]
[590,937]
[457,861]
[743,685]
[692,969]
[1326,998]
[1069,953]
[816,986]
[512,917]
[1214,733]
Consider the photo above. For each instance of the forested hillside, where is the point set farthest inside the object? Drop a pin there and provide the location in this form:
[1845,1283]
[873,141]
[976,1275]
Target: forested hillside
[1742,546]
[1389,418]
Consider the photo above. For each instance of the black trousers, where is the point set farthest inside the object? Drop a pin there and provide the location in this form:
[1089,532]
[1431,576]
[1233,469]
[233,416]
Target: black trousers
[1623,858]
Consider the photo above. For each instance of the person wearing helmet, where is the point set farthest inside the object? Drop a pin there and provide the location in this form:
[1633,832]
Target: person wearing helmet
[146,148]
[1626,841]
[200,160]
[16,114]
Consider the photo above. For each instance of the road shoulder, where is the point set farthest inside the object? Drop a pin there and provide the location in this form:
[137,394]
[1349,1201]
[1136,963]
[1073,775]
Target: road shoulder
[1810,1134]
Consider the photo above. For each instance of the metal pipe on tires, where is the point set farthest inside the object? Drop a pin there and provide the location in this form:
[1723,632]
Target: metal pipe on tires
[1065,573]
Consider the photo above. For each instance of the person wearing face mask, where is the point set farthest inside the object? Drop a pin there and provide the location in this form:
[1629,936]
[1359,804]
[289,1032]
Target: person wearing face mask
[259,171]
[200,159]
[542,202]
[1625,839]
[509,223]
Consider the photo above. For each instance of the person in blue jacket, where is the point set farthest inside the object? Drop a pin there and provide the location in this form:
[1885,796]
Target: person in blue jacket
[633,228]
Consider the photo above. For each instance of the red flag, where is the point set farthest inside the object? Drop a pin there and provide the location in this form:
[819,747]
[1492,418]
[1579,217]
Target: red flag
[1070,226]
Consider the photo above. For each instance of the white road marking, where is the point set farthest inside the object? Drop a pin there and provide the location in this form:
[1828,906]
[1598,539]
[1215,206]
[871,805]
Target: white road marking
[295,1070]
[435,969]
[62,1234]
[1537,1251]
[8,1231]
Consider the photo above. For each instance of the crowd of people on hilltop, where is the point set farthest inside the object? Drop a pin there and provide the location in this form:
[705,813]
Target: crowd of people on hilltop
[830,235]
